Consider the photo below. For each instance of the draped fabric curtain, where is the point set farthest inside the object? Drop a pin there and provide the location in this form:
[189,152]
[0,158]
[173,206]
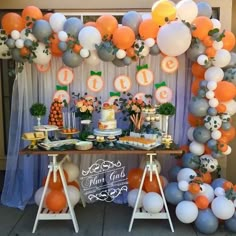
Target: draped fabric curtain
[24,174]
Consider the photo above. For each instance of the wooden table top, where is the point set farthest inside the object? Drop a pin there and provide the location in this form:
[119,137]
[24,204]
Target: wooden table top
[95,151]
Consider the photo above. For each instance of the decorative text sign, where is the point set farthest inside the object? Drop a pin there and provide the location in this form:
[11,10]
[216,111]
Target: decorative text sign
[95,83]
[104,180]
[65,76]
[43,68]
[122,83]
[169,64]
[144,77]
[62,95]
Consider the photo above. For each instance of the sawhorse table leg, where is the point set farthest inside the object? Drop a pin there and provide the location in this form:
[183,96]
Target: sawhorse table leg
[67,213]
[151,167]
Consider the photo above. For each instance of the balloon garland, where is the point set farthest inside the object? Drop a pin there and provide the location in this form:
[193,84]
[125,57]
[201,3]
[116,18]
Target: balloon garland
[172,30]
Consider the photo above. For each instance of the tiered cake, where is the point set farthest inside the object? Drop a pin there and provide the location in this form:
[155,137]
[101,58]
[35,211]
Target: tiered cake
[107,125]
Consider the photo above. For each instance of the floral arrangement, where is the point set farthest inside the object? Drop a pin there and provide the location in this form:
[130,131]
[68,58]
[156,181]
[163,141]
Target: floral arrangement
[85,106]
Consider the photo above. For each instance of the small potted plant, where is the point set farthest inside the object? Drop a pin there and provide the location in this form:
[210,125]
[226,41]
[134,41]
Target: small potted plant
[38,110]
[166,110]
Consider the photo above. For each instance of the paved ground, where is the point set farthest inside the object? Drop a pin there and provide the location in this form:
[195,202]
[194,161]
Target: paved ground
[98,219]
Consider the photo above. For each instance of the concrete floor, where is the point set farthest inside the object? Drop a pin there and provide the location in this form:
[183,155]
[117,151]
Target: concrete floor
[97,219]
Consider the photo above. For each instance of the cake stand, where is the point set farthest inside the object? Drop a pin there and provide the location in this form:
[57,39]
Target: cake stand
[108,132]
[69,135]
[33,142]
[46,129]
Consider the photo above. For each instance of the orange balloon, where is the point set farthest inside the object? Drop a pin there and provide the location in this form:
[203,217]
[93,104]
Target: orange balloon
[24,51]
[202,202]
[210,52]
[222,146]
[227,185]
[228,134]
[195,87]
[152,186]
[12,21]
[207,150]
[130,52]
[30,13]
[55,200]
[123,37]
[198,71]
[229,40]
[207,41]
[106,24]
[221,108]
[148,29]
[223,139]
[206,177]
[194,188]
[194,120]
[54,42]
[203,25]
[47,16]
[77,48]
[134,178]
[225,91]
[91,23]
[58,184]
[74,183]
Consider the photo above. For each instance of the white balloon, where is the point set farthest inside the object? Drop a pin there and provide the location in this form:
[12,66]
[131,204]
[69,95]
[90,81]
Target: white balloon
[149,42]
[202,60]
[213,102]
[214,73]
[212,85]
[217,45]
[222,208]
[19,43]
[228,151]
[186,174]
[89,36]
[157,163]
[132,197]
[216,134]
[63,36]
[25,34]
[196,148]
[209,163]
[222,58]
[84,52]
[186,212]
[174,38]
[15,34]
[212,122]
[38,195]
[190,133]
[74,194]
[121,54]
[42,58]
[208,192]
[93,58]
[57,21]
[210,94]
[230,107]
[183,185]
[152,202]
[219,191]
[186,10]
[216,24]
[72,170]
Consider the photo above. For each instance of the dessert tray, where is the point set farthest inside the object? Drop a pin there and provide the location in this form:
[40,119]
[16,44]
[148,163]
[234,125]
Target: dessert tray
[140,145]
[108,132]
[57,144]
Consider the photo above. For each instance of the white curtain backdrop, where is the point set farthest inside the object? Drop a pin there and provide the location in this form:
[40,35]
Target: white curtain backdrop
[24,173]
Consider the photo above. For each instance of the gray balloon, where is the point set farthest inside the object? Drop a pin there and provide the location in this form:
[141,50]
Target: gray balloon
[198,106]
[173,194]
[127,61]
[118,62]
[62,46]
[203,84]
[226,125]
[173,172]
[71,59]
[42,30]
[204,9]
[230,75]
[132,19]
[154,50]
[106,51]
[15,52]
[28,43]
[201,134]
[11,43]
[206,222]
[72,26]
[188,196]
[230,224]
[211,111]
[189,160]
[212,144]
[195,50]
[201,93]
